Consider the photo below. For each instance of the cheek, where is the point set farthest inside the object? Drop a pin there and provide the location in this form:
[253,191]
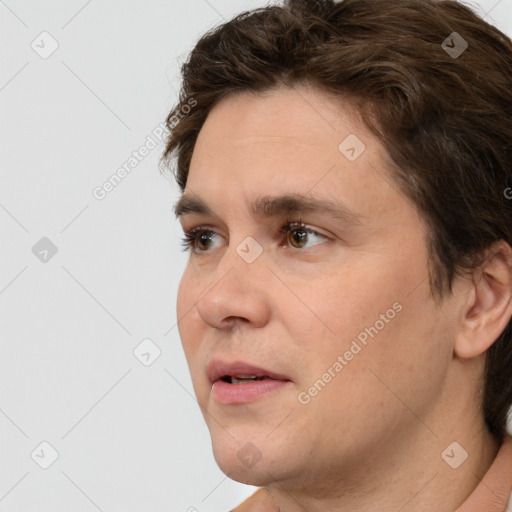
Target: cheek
[388,361]
[182,298]
[370,318]
[186,313]
[343,304]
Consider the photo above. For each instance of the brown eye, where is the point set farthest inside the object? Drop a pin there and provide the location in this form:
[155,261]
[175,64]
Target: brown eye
[198,239]
[203,238]
[298,237]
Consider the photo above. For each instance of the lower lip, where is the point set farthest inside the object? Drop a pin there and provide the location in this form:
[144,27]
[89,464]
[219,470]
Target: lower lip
[233,394]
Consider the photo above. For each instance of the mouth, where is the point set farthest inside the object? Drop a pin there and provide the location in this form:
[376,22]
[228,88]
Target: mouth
[241,383]
[241,379]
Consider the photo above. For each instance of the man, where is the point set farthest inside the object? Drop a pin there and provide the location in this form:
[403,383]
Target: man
[346,308]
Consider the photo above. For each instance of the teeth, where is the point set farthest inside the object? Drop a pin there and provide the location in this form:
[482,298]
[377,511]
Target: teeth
[241,379]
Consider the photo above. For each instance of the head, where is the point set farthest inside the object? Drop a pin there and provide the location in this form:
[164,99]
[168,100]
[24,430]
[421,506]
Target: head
[405,290]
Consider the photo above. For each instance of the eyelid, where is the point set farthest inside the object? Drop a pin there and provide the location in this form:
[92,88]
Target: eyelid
[287,226]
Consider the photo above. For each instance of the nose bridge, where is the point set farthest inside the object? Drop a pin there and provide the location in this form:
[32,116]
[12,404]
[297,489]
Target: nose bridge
[243,251]
[238,288]
[242,266]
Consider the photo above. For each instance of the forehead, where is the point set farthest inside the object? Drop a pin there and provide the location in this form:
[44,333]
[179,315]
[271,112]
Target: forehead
[287,141]
[286,118]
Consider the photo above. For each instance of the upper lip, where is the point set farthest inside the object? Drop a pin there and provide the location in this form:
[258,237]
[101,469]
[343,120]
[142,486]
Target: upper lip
[218,369]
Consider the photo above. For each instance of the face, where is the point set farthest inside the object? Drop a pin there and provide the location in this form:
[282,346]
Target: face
[302,324]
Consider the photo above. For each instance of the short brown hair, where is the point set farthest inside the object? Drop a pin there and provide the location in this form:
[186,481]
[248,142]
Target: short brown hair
[444,119]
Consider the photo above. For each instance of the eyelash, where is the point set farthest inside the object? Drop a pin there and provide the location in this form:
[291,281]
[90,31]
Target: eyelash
[191,236]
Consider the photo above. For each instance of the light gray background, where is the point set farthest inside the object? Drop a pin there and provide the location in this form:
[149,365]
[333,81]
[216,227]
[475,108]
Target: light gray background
[130,437]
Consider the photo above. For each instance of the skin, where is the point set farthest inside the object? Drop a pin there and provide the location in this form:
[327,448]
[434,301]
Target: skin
[376,431]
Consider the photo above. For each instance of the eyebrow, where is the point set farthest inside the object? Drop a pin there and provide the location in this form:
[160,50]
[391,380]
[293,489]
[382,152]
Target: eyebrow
[275,206]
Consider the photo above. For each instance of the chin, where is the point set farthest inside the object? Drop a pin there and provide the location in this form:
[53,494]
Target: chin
[244,462]
[257,475]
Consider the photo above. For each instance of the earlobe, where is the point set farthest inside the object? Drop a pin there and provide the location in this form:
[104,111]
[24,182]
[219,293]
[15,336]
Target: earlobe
[489,308]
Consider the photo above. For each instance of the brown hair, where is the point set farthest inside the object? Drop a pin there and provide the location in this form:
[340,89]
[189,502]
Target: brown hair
[444,119]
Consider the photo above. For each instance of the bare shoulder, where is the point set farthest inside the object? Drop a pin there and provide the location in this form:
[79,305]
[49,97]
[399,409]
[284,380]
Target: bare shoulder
[260,501]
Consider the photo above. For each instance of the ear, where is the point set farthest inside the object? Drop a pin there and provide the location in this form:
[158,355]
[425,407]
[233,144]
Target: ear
[489,306]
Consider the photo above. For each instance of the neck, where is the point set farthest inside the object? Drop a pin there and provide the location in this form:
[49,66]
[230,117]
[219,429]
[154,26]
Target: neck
[409,475]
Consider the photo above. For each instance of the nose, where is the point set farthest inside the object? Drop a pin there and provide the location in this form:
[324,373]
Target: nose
[238,293]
